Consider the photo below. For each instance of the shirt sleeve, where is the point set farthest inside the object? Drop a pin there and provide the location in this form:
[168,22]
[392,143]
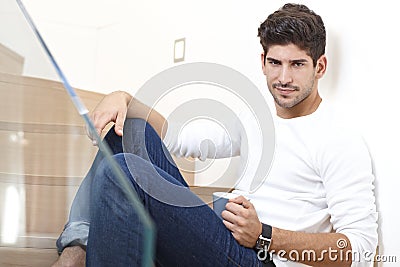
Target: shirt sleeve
[348,178]
[203,139]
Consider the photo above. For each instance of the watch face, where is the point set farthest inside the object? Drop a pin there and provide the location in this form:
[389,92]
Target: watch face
[263,242]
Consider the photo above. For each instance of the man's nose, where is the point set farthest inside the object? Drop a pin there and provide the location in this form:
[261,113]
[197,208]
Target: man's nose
[285,76]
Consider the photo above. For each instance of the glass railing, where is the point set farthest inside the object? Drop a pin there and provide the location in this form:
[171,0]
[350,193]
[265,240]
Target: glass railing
[45,150]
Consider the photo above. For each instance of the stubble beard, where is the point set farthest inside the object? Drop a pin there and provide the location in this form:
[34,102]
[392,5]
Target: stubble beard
[280,100]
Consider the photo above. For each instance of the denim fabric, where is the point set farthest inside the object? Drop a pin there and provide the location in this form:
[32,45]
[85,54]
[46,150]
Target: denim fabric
[188,233]
[76,230]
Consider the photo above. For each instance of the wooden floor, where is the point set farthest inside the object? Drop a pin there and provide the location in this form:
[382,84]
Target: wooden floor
[29,257]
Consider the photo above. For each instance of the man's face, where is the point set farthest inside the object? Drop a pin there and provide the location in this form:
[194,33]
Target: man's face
[291,76]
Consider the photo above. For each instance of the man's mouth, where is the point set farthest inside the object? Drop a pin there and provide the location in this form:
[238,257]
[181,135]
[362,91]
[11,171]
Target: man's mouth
[285,89]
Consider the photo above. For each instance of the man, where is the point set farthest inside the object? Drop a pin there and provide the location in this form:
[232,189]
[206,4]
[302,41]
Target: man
[316,207]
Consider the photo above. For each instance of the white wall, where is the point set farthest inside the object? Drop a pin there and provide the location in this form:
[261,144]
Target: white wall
[20,39]
[137,42]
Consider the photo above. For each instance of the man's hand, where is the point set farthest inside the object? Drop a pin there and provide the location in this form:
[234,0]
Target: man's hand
[112,108]
[241,219]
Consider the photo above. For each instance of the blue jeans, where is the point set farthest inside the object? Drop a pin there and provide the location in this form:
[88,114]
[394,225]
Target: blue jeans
[189,233]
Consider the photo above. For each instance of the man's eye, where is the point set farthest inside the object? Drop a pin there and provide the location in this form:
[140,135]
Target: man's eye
[273,62]
[298,64]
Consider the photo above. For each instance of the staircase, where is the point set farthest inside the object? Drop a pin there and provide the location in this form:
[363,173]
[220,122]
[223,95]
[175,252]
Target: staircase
[45,154]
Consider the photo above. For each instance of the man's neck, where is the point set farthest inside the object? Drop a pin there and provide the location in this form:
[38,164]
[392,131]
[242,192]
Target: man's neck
[306,107]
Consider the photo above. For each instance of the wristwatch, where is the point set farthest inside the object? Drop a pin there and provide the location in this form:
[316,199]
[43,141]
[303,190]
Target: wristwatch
[264,240]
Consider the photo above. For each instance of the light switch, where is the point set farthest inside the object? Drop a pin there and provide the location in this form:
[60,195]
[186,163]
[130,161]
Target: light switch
[179,50]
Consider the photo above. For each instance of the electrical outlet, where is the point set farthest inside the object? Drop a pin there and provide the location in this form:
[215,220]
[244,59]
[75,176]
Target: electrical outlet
[179,50]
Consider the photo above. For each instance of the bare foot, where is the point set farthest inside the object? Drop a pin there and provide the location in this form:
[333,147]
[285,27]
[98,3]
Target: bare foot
[71,257]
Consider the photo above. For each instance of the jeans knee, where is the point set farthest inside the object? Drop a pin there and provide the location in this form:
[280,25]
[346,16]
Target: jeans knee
[137,125]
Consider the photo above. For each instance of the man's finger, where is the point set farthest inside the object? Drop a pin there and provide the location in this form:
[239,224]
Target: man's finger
[247,204]
[119,123]
[230,226]
[241,200]
[233,208]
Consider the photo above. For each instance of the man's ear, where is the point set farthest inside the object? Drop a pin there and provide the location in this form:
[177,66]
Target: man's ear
[321,66]
[263,63]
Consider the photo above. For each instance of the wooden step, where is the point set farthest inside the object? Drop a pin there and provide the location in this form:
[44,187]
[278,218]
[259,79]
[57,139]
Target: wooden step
[27,257]
[10,61]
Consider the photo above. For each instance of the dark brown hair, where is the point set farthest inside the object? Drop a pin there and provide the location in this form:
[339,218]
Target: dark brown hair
[294,24]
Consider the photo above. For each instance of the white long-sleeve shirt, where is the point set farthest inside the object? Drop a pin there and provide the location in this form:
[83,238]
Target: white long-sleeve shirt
[320,181]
